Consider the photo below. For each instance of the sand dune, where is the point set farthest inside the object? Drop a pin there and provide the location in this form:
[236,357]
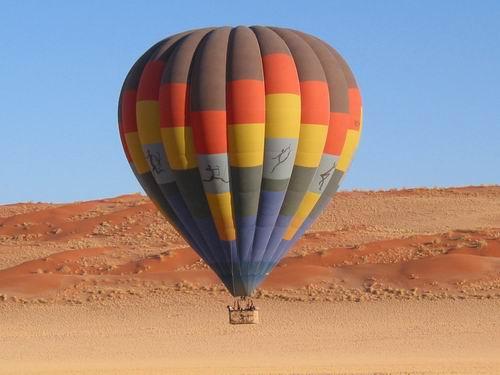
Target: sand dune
[367,245]
[393,281]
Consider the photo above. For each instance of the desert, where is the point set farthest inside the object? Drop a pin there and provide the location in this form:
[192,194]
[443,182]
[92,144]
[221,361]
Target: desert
[398,281]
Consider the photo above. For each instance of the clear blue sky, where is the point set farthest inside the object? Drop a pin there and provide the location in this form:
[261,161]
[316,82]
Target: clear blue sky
[429,72]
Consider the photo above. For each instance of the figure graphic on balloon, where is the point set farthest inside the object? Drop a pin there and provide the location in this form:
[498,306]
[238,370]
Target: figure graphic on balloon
[324,176]
[155,161]
[282,157]
[277,109]
[214,174]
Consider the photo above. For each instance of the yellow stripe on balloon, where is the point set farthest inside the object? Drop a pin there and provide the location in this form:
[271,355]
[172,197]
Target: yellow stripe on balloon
[135,149]
[246,145]
[179,146]
[221,209]
[308,202]
[350,145]
[311,143]
[311,198]
[148,121]
[282,115]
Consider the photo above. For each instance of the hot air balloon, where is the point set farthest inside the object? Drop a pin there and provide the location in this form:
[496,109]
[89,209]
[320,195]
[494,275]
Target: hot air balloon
[240,136]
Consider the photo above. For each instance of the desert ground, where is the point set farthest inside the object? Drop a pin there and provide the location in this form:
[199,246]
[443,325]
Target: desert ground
[397,282]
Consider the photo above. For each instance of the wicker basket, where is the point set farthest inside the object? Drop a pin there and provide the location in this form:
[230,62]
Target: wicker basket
[243,316]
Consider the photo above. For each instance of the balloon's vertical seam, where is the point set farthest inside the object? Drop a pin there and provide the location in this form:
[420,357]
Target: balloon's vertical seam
[208,119]
[314,98]
[282,128]
[343,119]
[178,140]
[128,126]
[148,129]
[245,98]
[178,147]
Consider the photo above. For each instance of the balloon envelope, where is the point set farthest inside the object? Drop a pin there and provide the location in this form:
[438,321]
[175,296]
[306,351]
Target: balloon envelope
[240,136]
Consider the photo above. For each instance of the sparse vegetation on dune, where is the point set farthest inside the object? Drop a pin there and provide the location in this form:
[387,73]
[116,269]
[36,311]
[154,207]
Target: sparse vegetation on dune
[397,244]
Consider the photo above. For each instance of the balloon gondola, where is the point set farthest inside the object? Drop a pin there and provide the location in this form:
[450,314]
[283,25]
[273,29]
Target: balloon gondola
[240,136]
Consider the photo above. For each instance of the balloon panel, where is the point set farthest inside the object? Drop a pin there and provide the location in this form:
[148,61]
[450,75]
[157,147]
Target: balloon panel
[240,136]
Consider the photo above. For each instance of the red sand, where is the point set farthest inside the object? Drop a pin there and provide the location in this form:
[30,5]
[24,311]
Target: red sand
[443,242]
[108,287]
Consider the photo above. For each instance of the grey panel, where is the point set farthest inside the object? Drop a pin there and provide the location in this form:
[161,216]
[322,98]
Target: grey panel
[214,171]
[157,160]
[331,189]
[297,188]
[208,72]
[335,74]
[274,185]
[324,173]
[245,190]
[178,65]
[189,183]
[279,156]
[169,189]
[269,41]
[164,51]
[244,60]
[306,61]
[134,75]
[334,183]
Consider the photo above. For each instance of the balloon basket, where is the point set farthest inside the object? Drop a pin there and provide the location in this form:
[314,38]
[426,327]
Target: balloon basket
[243,316]
[248,314]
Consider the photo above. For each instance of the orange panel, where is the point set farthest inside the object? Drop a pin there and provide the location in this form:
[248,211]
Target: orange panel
[209,131]
[129,122]
[124,143]
[150,81]
[337,130]
[280,74]
[246,102]
[355,107]
[174,99]
[315,102]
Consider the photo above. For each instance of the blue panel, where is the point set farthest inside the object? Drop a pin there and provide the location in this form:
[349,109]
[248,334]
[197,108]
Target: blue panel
[221,256]
[269,208]
[245,229]
[152,190]
[236,281]
[285,245]
[277,235]
[200,245]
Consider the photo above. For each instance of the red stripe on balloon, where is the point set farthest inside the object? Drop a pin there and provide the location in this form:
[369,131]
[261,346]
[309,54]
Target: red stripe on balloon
[245,102]
[355,107]
[337,131]
[174,105]
[280,74]
[315,102]
[150,81]
[129,121]
[124,144]
[209,131]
